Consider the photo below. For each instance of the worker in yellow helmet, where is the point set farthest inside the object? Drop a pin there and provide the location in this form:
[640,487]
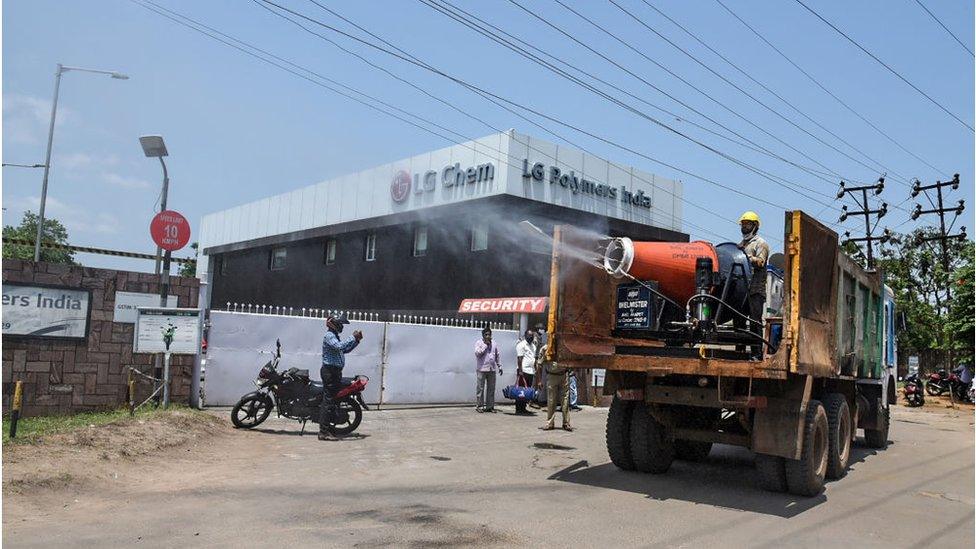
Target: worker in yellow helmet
[757,251]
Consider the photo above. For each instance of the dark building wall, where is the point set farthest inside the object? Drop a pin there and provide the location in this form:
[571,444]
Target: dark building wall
[62,376]
[515,263]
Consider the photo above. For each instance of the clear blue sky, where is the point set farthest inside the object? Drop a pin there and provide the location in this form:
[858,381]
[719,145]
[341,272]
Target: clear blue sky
[238,129]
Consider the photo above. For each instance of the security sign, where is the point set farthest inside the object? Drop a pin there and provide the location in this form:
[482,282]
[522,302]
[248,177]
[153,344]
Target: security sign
[170,230]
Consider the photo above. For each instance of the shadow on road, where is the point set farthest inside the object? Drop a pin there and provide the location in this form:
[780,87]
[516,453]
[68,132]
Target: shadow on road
[726,479]
[309,433]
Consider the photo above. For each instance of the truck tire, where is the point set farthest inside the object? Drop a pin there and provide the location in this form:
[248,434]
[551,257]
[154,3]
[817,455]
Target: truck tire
[691,450]
[839,430]
[650,443]
[878,438]
[772,472]
[805,476]
[618,433]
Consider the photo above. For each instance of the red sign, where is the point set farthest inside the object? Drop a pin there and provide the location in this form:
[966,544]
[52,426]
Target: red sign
[496,305]
[400,187]
[170,230]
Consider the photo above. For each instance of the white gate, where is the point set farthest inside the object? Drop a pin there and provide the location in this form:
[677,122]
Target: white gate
[406,363]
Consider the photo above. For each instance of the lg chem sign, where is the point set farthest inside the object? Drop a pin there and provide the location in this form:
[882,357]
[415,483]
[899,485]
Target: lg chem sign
[450,177]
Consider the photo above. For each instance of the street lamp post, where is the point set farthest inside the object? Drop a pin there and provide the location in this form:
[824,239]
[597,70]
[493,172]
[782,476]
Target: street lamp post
[153,146]
[50,142]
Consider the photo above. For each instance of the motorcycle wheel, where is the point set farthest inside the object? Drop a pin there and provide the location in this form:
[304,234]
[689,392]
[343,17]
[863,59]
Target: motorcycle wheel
[934,389]
[352,415]
[915,399]
[250,411]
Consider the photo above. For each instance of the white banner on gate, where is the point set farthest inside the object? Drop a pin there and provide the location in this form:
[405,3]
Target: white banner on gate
[423,364]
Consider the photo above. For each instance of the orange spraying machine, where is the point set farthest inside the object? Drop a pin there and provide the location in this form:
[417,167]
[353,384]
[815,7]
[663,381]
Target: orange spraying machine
[709,283]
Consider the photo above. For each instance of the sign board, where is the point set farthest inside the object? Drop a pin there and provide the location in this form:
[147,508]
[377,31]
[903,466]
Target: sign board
[151,321]
[599,375]
[635,307]
[498,305]
[45,311]
[126,304]
[170,230]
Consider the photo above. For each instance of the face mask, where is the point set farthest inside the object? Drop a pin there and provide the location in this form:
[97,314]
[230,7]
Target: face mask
[745,229]
[529,338]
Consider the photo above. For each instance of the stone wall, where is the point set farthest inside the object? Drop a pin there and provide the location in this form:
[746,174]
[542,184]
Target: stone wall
[67,376]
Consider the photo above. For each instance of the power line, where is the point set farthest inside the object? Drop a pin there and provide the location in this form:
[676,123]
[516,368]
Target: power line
[758,82]
[750,144]
[407,57]
[752,97]
[466,113]
[754,169]
[941,24]
[172,15]
[885,65]
[826,90]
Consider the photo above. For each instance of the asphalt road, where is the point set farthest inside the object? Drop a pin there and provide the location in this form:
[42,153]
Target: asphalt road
[450,477]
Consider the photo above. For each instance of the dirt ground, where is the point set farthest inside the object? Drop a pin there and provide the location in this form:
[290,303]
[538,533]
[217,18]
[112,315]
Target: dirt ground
[449,477]
[93,456]
[939,404]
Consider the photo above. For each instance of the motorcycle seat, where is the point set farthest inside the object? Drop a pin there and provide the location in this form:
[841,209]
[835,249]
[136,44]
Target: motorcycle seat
[347,381]
[316,388]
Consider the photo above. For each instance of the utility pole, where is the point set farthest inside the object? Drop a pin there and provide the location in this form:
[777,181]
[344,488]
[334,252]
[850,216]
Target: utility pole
[866,212]
[939,208]
[944,236]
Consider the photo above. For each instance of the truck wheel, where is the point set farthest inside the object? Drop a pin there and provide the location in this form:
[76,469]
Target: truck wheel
[618,433]
[650,443]
[878,438]
[805,476]
[692,450]
[772,472]
[839,434]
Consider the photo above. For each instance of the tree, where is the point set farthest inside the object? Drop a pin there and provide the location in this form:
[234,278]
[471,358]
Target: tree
[962,311]
[929,293]
[54,233]
[190,269]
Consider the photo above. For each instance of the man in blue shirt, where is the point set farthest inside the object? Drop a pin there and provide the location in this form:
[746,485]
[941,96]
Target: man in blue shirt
[334,349]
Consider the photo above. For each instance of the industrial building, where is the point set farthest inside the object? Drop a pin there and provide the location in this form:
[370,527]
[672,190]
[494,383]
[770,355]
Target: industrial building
[422,233]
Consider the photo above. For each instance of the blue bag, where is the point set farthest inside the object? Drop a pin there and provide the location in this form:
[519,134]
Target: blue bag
[519,391]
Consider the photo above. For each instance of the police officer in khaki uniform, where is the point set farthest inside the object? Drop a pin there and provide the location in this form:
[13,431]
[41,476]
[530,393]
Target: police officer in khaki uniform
[557,390]
[757,251]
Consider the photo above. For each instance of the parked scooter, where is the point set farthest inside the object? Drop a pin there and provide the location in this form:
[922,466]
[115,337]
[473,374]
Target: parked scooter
[299,398]
[914,392]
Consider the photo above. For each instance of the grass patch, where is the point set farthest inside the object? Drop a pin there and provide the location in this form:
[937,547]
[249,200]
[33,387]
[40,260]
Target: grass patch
[29,429]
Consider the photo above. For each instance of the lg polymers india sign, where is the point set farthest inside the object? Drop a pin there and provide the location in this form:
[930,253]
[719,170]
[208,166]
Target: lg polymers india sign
[45,311]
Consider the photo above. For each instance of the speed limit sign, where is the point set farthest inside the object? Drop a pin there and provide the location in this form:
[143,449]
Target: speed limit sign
[170,230]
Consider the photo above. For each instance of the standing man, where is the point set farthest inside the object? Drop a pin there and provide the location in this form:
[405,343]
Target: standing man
[557,388]
[757,251]
[334,350]
[488,360]
[526,351]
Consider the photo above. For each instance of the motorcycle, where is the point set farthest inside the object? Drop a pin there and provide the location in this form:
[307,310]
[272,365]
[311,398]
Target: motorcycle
[297,397]
[914,393]
[938,383]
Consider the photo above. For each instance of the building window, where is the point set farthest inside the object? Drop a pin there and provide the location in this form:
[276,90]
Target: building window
[330,251]
[371,247]
[278,257]
[420,241]
[479,237]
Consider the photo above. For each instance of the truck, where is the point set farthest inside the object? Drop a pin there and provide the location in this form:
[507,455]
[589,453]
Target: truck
[668,322]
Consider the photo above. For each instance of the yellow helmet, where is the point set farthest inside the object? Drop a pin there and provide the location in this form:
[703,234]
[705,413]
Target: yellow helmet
[749,216]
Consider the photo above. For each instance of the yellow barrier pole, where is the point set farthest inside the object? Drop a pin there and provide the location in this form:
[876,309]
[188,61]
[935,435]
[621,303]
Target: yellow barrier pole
[132,394]
[15,409]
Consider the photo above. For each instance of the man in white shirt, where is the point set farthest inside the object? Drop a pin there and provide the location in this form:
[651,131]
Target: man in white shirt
[525,351]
